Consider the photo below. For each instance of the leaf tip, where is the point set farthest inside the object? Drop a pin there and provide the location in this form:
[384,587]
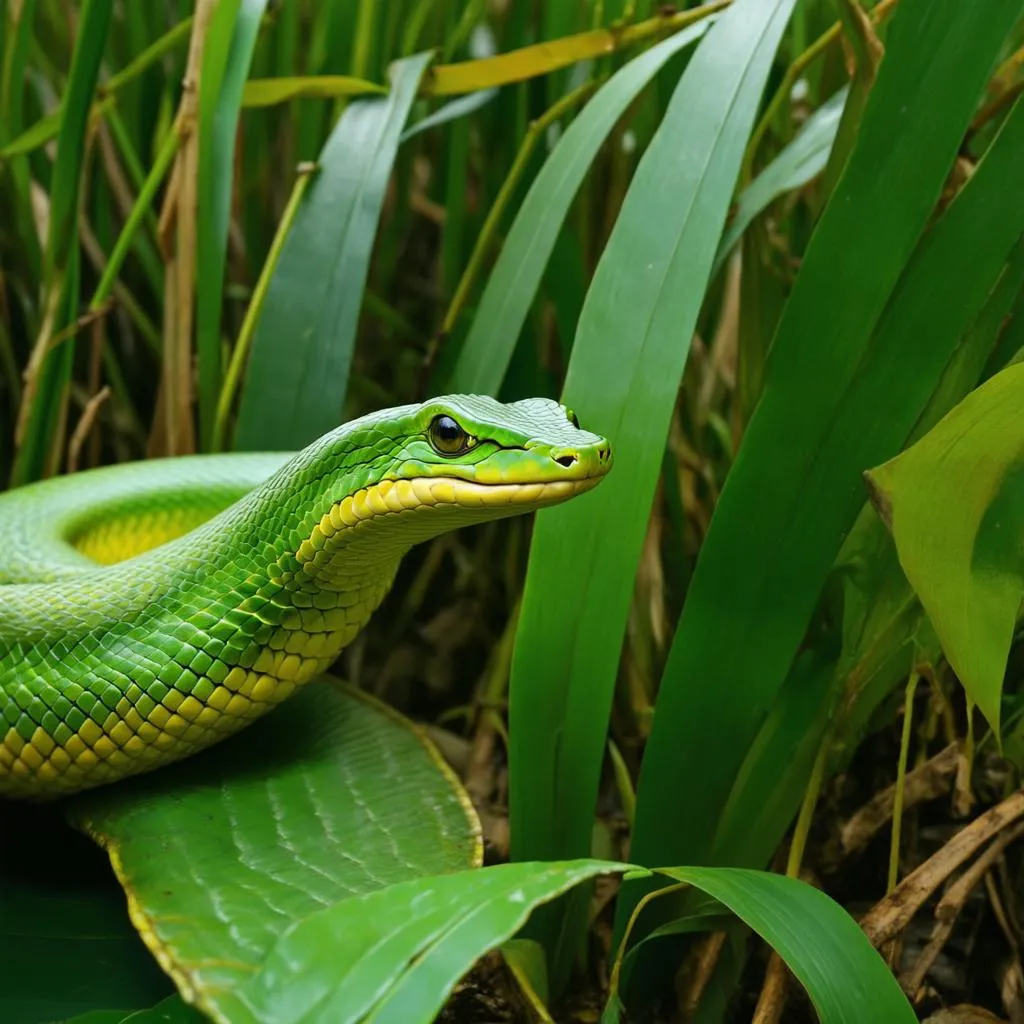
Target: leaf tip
[879,497]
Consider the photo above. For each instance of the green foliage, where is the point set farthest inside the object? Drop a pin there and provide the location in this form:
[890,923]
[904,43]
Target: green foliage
[223,856]
[517,200]
[955,505]
[647,292]
[834,400]
[303,344]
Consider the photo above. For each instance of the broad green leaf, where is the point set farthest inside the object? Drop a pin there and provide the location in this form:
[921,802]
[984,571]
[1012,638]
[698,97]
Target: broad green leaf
[513,282]
[882,637]
[332,796]
[298,369]
[623,380]
[883,626]
[396,954]
[955,505]
[845,381]
[846,979]
[227,55]
[800,162]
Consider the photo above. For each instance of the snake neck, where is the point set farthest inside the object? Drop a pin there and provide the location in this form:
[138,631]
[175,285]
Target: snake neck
[307,602]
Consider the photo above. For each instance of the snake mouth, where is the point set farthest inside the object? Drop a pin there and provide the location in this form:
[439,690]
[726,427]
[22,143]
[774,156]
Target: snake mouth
[452,492]
[446,493]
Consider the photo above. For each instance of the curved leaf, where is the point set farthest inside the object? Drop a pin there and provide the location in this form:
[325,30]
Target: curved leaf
[331,796]
[955,505]
[396,954]
[298,369]
[821,944]
[513,282]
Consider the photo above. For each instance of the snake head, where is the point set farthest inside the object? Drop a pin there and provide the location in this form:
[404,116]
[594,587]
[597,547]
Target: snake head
[533,452]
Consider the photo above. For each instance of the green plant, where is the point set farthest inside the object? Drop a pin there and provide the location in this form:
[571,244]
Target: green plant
[335,228]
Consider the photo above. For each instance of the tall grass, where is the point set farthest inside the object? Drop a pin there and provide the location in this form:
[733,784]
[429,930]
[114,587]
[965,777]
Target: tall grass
[761,251]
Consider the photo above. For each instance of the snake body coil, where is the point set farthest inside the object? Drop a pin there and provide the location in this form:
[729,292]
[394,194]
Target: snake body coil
[149,610]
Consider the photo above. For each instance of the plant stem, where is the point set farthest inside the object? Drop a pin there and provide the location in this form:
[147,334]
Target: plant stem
[901,775]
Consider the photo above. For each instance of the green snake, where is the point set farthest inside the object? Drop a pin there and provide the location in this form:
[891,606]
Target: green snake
[148,610]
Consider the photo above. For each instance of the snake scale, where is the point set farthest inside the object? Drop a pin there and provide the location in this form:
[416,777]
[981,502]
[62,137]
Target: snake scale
[148,610]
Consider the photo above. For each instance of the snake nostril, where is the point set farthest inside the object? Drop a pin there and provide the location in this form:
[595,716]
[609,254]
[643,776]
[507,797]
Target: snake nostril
[566,460]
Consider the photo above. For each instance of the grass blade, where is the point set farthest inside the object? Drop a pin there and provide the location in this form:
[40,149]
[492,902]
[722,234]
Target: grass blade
[269,92]
[227,56]
[47,375]
[298,371]
[544,58]
[394,955]
[624,374]
[462,106]
[848,982]
[800,162]
[827,413]
[512,285]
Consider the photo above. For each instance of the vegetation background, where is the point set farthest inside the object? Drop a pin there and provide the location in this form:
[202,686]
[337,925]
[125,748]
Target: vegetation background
[763,246]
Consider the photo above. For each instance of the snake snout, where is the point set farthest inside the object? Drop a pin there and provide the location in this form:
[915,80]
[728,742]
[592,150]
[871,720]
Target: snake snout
[589,460]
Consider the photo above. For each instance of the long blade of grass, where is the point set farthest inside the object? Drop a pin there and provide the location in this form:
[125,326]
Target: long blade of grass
[623,378]
[269,92]
[16,38]
[302,348]
[461,106]
[834,400]
[848,982]
[512,285]
[46,378]
[800,162]
[46,128]
[543,58]
[227,57]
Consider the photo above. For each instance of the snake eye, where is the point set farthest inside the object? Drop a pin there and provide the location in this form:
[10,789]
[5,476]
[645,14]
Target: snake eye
[447,437]
[572,418]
